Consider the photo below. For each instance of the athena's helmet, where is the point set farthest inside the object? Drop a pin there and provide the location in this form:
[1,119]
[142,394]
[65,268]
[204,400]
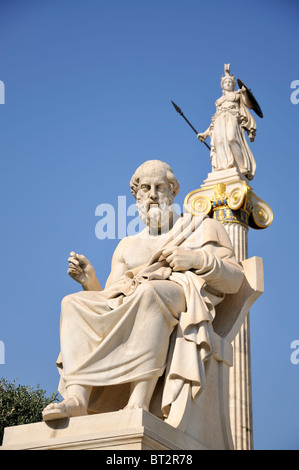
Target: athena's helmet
[227,75]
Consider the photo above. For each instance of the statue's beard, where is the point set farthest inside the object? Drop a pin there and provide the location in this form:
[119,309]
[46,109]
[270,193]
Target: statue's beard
[154,215]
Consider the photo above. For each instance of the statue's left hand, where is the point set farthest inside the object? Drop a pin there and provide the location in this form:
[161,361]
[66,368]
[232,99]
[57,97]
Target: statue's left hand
[251,135]
[241,90]
[182,259]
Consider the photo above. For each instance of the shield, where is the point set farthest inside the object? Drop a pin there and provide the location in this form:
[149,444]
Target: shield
[250,99]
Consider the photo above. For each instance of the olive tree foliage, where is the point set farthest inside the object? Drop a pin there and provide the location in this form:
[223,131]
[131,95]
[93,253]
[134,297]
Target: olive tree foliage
[21,404]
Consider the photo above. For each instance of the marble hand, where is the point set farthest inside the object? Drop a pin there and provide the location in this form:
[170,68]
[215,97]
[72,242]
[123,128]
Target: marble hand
[82,271]
[182,259]
[202,137]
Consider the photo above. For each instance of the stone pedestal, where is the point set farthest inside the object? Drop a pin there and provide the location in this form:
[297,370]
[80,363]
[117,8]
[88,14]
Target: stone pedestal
[122,430]
[227,197]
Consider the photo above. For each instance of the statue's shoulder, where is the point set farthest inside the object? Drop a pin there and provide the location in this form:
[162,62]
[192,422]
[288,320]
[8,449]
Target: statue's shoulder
[214,232]
[129,240]
[133,238]
[212,224]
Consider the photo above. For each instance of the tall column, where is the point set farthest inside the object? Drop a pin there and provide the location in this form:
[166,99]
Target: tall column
[240,373]
[227,197]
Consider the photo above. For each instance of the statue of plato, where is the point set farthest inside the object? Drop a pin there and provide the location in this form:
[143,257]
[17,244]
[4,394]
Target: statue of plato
[148,331]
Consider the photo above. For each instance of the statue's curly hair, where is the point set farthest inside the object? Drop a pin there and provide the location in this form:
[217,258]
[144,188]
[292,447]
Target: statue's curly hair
[172,180]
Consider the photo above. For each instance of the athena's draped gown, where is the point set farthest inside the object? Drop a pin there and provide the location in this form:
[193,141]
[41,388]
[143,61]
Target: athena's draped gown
[229,147]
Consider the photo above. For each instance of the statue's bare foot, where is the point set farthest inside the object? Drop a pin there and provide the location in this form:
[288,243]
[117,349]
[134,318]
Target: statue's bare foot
[66,409]
[132,406]
[135,406]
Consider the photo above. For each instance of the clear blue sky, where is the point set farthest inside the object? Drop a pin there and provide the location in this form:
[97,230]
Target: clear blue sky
[88,85]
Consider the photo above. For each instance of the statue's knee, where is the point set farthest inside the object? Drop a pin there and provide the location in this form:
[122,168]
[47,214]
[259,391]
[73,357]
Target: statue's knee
[147,288]
[218,141]
[232,140]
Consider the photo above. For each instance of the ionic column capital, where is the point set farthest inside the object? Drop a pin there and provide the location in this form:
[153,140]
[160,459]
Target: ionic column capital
[232,201]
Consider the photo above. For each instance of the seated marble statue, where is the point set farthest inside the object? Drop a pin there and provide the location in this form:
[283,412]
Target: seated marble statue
[153,320]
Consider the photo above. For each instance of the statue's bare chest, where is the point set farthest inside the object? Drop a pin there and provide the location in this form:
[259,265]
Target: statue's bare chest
[139,251]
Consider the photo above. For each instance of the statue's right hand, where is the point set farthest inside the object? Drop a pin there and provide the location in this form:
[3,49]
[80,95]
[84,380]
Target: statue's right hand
[202,137]
[80,269]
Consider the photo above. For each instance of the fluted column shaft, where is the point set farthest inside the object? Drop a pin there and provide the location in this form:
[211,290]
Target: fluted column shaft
[240,373]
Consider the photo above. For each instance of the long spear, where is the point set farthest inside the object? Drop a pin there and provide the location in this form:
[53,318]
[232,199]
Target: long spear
[182,114]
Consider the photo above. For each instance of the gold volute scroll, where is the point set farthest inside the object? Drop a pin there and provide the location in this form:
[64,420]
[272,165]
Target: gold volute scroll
[197,204]
[237,196]
[262,214]
[201,205]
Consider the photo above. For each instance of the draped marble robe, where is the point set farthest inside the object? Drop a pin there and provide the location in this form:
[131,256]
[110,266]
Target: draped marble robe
[229,147]
[120,335]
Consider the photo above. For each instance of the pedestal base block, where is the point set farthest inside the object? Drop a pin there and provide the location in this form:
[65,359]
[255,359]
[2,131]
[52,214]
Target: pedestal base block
[122,430]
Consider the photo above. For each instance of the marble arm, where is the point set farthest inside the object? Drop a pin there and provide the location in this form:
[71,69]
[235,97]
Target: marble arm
[118,265]
[207,133]
[220,269]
